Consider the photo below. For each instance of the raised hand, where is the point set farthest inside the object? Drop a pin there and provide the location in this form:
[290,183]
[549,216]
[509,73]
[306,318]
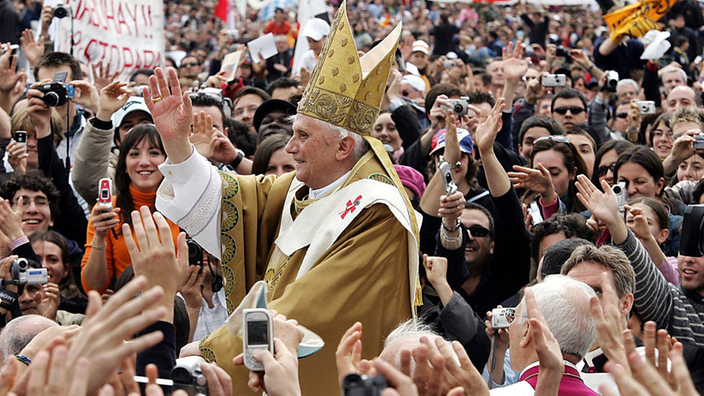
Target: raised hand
[51,297]
[452,153]
[223,150]
[463,374]
[349,352]
[33,50]
[602,205]
[86,95]
[515,66]
[8,72]
[17,157]
[101,76]
[172,113]
[190,288]
[49,374]
[637,222]
[538,180]
[451,207]
[38,111]
[112,97]
[202,136]
[104,221]
[609,322]
[485,135]
[280,371]
[11,220]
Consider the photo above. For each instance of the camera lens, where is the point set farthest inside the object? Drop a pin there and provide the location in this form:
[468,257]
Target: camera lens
[60,12]
[195,252]
[51,99]
[617,190]
[181,375]
[458,108]
[22,264]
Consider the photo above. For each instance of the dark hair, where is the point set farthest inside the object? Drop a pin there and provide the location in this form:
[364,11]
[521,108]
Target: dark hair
[698,191]
[554,257]
[477,97]
[644,157]
[619,145]
[264,152]
[486,78]
[679,40]
[189,56]
[58,59]
[33,180]
[141,72]
[658,208]
[68,286]
[663,118]
[202,99]
[136,135]
[571,160]
[446,89]
[281,83]
[539,121]
[572,224]
[580,130]
[568,93]
[250,91]
[240,137]
[476,206]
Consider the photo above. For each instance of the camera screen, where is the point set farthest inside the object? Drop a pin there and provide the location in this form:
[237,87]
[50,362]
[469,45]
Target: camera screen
[257,332]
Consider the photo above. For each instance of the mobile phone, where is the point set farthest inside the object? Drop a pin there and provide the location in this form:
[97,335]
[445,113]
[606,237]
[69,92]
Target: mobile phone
[554,80]
[450,186]
[535,214]
[21,137]
[105,194]
[14,50]
[258,328]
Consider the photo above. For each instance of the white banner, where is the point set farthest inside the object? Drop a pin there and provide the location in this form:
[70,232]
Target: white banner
[125,34]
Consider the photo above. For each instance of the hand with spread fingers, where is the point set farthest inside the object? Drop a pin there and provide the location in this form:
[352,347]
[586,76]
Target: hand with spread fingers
[349,352]
[172,113]
[112,97]
[11,219]
[487,130]
[202,135]
[609,322]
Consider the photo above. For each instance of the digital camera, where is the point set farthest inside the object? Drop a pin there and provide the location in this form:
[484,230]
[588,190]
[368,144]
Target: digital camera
[621,196]
[361,385]
[699,142]
[25,274]
[458,106]
[61,11]
[554,80]
[499,317]
[57,92]
[448,64]
[195,252]
[646,106]
[611,81]
[187,376]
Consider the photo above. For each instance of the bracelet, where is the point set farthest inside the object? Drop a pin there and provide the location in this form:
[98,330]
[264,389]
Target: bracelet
[448,238]
[92,244]
[453,229]
[24,359]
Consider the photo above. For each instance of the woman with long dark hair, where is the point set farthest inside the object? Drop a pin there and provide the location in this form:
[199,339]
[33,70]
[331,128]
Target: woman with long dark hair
[137,178]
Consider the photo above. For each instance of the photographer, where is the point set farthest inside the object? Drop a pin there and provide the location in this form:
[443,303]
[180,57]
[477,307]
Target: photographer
[9,293]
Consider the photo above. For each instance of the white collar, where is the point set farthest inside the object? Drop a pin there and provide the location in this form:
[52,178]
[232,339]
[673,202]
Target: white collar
[530,366]
[323,191]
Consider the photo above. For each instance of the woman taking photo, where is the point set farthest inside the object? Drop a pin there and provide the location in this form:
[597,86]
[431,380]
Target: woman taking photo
[137,178]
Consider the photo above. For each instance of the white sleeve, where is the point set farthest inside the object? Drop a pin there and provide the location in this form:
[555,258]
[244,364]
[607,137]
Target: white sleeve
[190,197]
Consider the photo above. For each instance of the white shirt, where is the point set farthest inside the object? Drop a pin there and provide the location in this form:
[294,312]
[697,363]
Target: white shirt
[323,191]
[210,319]
[308,60]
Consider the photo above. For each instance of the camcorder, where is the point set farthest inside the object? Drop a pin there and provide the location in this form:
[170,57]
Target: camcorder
[57,93]
[692,235]
[611,81]
[188,377]
[24,273]
[362,385]
[458,106]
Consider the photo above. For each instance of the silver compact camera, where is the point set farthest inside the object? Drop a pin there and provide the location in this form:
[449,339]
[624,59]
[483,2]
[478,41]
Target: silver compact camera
[621,197]
[448,64]
[187,376]
[554,80]
[646,106]
[500,317]
[458,106]
[25,274]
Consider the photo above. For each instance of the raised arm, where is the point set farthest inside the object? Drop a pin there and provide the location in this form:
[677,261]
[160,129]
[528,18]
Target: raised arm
[496,178]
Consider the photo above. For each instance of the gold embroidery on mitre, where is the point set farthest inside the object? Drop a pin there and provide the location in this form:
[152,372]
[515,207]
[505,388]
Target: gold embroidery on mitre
[342,101]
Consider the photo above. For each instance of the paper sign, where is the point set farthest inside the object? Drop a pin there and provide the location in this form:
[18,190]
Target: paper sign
[230,63]
[637,19]
[264,44]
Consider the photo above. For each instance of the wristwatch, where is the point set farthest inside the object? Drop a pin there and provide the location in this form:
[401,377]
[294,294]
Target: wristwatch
[453,229]
[236,162]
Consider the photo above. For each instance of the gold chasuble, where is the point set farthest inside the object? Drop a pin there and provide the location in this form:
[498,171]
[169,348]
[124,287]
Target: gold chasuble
[353,256]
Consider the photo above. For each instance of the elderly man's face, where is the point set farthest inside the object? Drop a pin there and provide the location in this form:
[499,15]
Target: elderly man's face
[680,97]
[274,123]
[282,44]
[626,93]
[672,80]
[314,149]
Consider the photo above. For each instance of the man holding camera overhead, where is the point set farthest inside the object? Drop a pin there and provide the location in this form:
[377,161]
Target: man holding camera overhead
[332,240]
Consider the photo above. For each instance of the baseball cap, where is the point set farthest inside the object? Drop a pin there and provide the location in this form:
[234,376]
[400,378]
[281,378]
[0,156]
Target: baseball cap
[466,145]
[420,46]
[316,29]
[416,82]
[134,103]
[271,105]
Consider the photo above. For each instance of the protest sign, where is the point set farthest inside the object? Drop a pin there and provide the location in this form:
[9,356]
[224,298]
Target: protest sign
[125,34]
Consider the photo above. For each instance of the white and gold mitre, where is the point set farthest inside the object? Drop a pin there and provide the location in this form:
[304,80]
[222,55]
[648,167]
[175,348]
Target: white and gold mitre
[344,89]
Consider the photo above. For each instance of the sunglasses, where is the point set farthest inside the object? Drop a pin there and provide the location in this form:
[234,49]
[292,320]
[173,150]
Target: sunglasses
[604,169]
[477,231]
[189,64]
[562,110]
[622,115]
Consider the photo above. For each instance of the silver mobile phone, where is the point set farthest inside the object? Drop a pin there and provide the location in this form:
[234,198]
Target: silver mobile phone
[450,186]
[258,328]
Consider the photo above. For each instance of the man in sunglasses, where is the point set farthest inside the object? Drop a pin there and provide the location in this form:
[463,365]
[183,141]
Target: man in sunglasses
[569,108]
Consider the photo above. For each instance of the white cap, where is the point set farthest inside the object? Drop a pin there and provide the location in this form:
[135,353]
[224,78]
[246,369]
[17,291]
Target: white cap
[416,82]
[420,46]
[411,68]
[134,103]
[316,29]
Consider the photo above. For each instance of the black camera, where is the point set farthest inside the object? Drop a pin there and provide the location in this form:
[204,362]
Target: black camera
[195,252]
[26,272]
[692,236]
[187,376]
[61,11]
[564,53]
[361,385]
[57,93]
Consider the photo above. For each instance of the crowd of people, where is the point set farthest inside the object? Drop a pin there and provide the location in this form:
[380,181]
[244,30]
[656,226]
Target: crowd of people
[497,207]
